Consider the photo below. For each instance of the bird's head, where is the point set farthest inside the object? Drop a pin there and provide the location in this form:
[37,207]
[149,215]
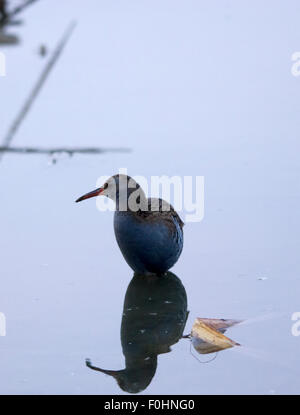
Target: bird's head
[122,189]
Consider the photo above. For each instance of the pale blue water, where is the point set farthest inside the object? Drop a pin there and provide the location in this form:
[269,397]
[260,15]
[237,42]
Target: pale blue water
[194,89]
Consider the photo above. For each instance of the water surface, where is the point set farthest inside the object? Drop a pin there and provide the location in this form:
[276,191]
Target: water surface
[193,90]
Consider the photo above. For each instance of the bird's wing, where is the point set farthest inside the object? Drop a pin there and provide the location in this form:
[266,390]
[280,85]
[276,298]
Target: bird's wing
[158,207]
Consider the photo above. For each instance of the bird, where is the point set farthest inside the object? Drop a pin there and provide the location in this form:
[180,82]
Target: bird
[149,231]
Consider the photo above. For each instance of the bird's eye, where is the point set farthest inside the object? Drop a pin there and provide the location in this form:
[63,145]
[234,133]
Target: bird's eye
[105,186]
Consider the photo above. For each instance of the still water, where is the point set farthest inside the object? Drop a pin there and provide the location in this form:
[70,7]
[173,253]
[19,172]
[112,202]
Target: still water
[68,296]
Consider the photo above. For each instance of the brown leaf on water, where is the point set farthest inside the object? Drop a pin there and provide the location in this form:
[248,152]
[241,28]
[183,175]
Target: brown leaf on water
[207,335]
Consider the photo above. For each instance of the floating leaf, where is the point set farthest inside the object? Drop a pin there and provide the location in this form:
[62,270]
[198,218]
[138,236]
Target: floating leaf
[207,335]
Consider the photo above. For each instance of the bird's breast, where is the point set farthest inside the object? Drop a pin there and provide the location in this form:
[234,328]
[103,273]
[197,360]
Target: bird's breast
[148,245]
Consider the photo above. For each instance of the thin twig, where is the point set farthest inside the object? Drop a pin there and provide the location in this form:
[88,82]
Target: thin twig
[56,150]
[28,103]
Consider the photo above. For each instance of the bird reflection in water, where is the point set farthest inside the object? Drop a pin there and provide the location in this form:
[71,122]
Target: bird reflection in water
[154,317]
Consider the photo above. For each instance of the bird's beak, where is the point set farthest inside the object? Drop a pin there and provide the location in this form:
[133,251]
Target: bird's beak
[113,373]
[94,193]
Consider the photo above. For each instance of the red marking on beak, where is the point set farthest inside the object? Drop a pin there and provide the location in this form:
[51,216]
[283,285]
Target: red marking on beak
[94,193]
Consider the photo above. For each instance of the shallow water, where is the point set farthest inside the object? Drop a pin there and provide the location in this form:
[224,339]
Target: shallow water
[63,279]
